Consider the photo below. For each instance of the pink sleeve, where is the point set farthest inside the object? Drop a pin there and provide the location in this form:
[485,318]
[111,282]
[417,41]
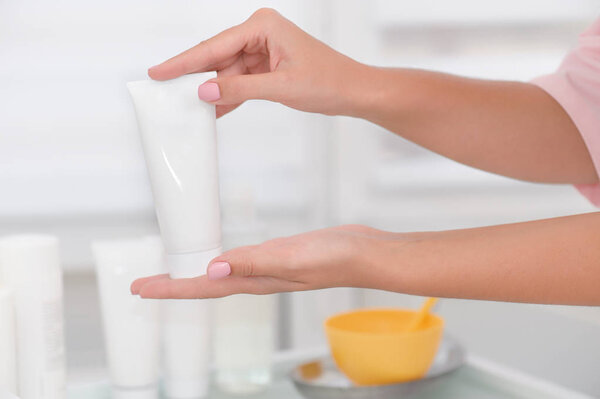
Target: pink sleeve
[576,87]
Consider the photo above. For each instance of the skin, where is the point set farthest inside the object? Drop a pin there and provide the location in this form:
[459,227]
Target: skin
[510,128]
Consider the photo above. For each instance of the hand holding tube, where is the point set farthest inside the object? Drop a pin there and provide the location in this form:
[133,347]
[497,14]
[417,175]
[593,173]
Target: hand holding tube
[521,262]
[268,57]
[336,256]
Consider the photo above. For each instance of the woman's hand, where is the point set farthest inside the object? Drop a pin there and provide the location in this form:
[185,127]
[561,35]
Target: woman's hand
[511,128]
[333,257]
[268,57]
[544,261]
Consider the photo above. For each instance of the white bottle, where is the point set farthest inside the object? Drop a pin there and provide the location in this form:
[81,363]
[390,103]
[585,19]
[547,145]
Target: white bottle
[178,134]
[31,270]
[131,324]
[244,332]
[8,361]
[186,334]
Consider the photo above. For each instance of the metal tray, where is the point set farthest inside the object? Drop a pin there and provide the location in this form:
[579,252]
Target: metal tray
[327,382]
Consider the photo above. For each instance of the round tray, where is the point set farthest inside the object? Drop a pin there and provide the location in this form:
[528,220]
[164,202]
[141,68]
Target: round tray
[321,379]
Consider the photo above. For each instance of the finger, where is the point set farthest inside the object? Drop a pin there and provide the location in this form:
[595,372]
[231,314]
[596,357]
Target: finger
[360,229]
[225,109]
[235,89]
[212,54]
[249,261]
[201,287]
[137,284]
[237,68]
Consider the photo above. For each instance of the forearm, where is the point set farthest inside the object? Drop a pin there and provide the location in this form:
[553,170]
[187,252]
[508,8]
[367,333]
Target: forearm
[477,122]
[546,261]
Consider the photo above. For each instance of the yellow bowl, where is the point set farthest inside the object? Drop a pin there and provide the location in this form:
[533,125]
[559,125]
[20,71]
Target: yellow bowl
[371,347]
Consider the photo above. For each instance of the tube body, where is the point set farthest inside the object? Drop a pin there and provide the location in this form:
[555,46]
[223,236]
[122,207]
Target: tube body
[31,270]
[179,139]
[8,361]
[131,324]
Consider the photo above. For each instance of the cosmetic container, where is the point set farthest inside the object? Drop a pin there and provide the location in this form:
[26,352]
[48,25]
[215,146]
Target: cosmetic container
[30,268]
[180,147]
[186,334]
[131,324]
[244,325]
[243,343]
[8,361]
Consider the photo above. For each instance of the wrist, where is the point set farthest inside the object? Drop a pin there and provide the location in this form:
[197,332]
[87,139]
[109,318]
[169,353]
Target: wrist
[386,96]
[379,259]
[359,90]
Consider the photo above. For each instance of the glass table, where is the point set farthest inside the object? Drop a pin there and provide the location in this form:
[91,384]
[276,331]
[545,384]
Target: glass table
[477,379]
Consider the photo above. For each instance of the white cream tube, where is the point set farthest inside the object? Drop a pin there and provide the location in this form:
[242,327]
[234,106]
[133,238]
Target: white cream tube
[131,324]
[179,139]
[31,270]
[8,361]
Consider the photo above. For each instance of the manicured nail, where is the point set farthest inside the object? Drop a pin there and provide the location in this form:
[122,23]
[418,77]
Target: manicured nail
[218,270]
[209,91]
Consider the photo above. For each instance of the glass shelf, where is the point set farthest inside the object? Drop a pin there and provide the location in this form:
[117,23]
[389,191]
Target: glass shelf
[477,379]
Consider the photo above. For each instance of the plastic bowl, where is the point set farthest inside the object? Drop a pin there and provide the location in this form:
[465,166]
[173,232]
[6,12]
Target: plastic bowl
[371,347]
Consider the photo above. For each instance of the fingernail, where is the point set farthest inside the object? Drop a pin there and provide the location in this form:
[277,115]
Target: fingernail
[218,270]
[209,91]
[152,68]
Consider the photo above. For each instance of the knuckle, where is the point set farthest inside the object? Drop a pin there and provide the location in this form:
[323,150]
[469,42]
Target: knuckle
[273,243]
[187,65]
[247,264]
[351,226]
[265,13]
[285,79]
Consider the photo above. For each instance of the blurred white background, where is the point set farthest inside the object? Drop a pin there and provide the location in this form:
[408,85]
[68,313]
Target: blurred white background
[71,164]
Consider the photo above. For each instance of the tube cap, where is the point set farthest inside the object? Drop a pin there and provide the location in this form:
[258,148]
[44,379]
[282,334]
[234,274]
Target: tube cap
[186,389]
[191,264]
[135,393]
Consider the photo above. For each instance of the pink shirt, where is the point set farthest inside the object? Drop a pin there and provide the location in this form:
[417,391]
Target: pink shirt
[576,87]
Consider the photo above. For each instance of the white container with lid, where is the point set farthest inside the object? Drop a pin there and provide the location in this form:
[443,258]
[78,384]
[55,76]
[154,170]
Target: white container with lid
[31,269]
[8,361]
[131,324]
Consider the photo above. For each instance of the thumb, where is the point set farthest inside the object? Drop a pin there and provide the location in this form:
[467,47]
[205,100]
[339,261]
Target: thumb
[236,89]
[249,261]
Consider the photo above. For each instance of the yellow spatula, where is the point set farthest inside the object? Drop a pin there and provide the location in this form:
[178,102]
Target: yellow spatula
[421,315]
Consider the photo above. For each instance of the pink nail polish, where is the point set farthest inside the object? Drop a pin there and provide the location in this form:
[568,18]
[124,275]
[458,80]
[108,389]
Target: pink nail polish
[209,91]
[218,270]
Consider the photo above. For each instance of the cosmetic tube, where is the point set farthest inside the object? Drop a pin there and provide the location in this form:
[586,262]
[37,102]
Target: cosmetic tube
[8,361]
[30,268]
[186,333]
[179,139]
[131,324]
